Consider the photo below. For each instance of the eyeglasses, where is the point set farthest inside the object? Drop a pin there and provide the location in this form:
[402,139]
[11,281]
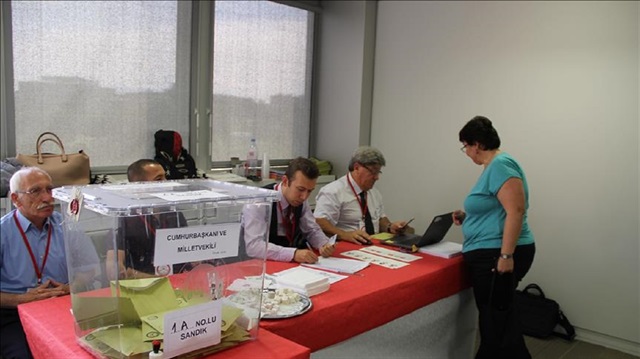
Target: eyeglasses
[373,172]
[37,192]
[463,148]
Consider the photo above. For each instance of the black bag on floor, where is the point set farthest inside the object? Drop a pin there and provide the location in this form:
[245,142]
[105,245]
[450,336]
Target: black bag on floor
[175,159]
[540,316]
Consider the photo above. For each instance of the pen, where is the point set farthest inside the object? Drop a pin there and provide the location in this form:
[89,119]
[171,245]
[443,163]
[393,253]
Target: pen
[406,224]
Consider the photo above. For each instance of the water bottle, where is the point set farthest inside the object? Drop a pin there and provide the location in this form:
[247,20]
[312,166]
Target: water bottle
[251,171]
[264,173]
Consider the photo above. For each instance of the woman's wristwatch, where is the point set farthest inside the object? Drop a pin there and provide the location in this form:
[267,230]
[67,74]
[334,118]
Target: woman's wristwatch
[506,256]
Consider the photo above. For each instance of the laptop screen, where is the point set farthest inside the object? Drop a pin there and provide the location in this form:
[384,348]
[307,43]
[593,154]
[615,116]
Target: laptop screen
[437,229]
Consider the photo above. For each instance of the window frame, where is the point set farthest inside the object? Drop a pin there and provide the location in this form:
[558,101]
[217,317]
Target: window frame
[201,86]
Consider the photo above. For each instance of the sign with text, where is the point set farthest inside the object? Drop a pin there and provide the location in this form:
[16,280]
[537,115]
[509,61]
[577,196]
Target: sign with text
[192,244]
[192,328]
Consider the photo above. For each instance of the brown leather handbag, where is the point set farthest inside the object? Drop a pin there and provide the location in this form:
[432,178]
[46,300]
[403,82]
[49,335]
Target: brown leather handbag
[64,169]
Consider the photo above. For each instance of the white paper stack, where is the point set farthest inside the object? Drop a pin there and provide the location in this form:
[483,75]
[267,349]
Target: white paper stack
[443,249]
[340,265]
[303,281]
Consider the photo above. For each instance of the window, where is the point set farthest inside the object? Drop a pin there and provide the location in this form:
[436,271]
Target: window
[102,75]
[261,79]
[105,75]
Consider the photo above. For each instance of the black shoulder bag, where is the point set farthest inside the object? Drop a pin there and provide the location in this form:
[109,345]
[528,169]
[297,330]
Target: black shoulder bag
[540,316]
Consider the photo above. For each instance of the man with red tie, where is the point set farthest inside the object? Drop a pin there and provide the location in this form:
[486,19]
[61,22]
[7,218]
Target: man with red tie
[294,233]
[350,207]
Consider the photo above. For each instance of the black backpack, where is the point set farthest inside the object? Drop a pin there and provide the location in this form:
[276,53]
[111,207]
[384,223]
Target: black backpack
[174,158]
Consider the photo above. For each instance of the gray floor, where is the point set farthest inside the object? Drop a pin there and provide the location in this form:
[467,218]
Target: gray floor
[556,348]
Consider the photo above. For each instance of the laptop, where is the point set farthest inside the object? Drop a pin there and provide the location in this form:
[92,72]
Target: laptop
[435,233]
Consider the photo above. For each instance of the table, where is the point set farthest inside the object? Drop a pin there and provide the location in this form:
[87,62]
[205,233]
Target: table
[370,299]
[373,297]
[49,327]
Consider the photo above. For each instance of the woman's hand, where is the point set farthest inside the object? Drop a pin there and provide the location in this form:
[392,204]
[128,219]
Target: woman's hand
[458,217]
[505,265]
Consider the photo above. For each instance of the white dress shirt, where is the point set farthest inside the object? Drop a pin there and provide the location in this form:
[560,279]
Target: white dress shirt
[255,222]
[337,203]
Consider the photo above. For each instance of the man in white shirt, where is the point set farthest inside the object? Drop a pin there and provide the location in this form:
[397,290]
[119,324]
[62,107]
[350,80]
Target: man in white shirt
[350,207]
[294,232]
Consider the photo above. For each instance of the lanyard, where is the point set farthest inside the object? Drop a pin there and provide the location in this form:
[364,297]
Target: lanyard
[33,257]
[150,226]
[289,230]
[363,205]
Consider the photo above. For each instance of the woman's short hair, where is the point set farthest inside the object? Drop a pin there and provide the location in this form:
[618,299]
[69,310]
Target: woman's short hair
[479,130]
[366,155]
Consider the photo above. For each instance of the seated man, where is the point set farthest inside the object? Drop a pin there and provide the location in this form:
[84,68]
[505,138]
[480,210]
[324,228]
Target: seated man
[350,207]
[293,230]
[33,261]
[136,235]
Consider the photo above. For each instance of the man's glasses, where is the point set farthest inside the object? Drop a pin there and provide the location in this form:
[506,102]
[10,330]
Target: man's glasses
[373,172]
[37,192]
[463,148]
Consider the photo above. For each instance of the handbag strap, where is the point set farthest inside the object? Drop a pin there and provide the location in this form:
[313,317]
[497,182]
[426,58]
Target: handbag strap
[531,287]
[563,322]
[40,141]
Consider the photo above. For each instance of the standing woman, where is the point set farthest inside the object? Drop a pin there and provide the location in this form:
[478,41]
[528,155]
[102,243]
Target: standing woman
[498,245]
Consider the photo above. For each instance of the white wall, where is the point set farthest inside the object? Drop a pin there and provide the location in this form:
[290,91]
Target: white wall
[560,82]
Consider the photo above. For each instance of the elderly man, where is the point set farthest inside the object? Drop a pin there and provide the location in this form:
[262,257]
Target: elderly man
[33,264]
[350,207]
[293,230]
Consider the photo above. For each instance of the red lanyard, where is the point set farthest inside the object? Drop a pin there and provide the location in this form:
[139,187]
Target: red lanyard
[149,226]
[363,205]
[33,258]
[289,230]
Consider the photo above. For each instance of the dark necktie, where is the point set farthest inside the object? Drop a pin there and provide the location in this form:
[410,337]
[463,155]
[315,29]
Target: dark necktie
[289,224]
[368,223]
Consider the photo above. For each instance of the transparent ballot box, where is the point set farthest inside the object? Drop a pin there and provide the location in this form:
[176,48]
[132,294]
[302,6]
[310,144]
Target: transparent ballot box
[162,262]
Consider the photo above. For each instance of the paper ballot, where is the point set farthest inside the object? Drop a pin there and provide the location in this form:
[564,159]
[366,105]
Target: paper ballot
[443,249]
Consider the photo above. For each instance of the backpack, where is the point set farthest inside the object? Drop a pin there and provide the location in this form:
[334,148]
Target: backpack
[174,158]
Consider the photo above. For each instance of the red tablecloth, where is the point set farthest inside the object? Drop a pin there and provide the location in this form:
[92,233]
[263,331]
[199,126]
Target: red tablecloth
[375,296]
[48,325]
